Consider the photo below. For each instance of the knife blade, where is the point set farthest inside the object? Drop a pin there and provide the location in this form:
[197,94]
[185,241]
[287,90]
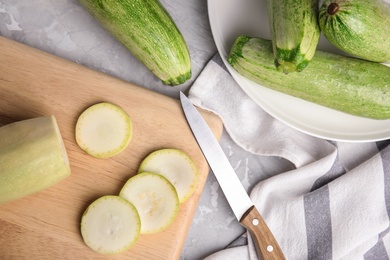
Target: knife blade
[243,208]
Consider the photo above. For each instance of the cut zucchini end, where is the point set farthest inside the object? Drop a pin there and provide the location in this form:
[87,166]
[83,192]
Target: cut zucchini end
[32,157]
[103,130]
[155,199]
[60,143]
[177,167]
[286,67]
[110,225]
[178,80]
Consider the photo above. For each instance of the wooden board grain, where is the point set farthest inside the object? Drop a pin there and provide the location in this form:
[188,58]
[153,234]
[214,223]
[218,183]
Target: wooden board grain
[45,225]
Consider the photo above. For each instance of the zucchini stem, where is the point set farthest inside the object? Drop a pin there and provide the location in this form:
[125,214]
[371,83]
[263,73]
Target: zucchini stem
[333,8]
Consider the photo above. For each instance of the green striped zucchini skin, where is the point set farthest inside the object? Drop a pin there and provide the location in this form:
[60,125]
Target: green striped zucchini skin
[295,32]
[147,30]
[358,27]
[349,85]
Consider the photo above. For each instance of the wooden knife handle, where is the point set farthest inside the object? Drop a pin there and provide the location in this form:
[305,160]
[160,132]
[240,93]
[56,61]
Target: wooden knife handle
[266,245]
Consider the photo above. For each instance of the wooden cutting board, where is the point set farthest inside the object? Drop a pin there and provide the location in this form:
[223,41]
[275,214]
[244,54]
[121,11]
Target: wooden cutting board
[46,225]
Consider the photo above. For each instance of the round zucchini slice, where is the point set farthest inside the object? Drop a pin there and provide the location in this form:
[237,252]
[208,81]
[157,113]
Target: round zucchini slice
[177,167]
[103,130]
[155,199]
[110,225]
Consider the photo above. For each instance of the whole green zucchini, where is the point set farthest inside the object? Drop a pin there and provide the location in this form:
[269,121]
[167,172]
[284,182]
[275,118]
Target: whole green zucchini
[295,32]
[149,33]
[350,85]
[358,27]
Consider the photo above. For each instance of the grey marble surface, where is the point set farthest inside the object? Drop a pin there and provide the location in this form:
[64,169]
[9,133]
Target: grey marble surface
[65,29]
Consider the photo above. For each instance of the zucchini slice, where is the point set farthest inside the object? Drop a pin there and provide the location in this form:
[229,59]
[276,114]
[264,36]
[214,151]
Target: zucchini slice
[177,167]
[155,199]
[110,225]
[103,130]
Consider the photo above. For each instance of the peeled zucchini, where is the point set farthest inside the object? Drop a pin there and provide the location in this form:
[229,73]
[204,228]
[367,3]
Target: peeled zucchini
[358,27]
[295,32]
[350,85]
[147,30]
[32,157]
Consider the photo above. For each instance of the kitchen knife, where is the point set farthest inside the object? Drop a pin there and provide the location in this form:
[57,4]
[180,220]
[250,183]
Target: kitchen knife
[266,245]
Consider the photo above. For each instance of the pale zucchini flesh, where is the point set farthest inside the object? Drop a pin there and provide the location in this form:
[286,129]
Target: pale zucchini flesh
[148,31]
[110,225]
[358,27]
[177,167]
[103,130]
[32,157]
[155,199]
[350,85]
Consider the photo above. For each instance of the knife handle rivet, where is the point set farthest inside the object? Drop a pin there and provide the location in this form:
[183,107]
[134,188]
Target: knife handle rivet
[255,221]
[270,248]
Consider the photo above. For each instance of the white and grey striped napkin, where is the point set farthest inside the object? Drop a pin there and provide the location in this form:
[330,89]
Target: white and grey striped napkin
[334,205]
